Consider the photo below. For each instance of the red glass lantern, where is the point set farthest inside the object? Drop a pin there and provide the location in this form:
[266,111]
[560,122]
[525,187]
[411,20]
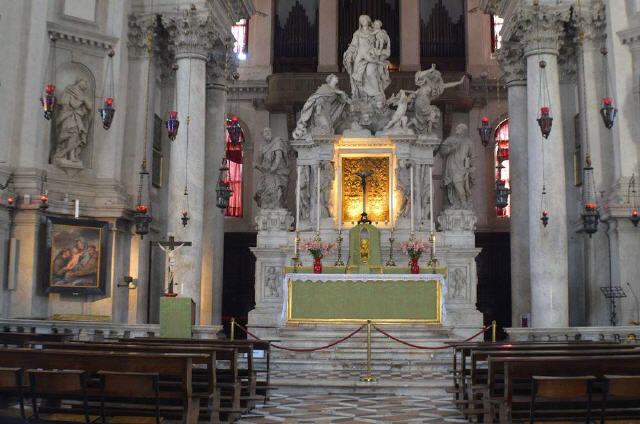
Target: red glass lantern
[142,220]
[11,202]
[185,218]
[48,101]
[608,112]
[485,131]
[545,218]
[502,194]
[44,202]
[545,121]
[106,112]
[234,129]
[172,124]
[635,218]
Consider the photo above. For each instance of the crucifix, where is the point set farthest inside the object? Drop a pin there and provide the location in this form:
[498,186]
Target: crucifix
[363,183]
[170,248]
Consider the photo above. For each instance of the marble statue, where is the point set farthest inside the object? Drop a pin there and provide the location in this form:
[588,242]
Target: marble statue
[273,164]
[322,109]
[456,153]
[305,193]
[73,116]
[271,282]
[430,87]
[403,184]
[170,252]
[366,60]
[327,175]
[399,121]
[459,283]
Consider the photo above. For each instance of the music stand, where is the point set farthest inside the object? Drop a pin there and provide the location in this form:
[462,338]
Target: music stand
[612,293]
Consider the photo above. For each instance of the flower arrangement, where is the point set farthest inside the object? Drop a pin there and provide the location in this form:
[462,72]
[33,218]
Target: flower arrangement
[414,248]
[317,248]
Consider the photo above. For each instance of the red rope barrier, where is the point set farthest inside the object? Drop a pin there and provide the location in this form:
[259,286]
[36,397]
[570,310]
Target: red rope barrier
[429,347]
[292,349]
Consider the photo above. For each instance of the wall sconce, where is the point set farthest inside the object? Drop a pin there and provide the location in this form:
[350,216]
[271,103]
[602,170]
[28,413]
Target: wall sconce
[129,282]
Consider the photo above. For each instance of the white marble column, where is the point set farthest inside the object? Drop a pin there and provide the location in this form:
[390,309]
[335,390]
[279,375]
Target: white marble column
[548,251]
[512,62]
[409,35]
[328,36]
[190,32]
[213,233]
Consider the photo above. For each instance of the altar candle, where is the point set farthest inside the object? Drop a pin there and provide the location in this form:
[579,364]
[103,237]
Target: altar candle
[431,228]
[77,209]
[318,198]
[393,192]
[297,198]
[339,199]
[411,204]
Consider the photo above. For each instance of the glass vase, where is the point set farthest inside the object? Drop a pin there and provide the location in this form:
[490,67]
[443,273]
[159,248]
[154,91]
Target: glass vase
[317,265]
[415,268]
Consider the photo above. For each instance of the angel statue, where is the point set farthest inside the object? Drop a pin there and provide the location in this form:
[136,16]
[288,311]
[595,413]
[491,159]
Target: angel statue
[430,87]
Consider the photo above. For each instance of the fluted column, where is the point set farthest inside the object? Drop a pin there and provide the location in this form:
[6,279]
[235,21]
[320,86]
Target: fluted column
[328,36]
[512,62]
[409,35]
[213,231]
[191,33]
[540,29]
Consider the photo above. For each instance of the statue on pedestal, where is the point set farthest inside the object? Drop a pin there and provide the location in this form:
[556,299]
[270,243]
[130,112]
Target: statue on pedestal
[322,109]
[327,175]
[366,60]
[273,165]
[72,123]
[456,152]
[403,182]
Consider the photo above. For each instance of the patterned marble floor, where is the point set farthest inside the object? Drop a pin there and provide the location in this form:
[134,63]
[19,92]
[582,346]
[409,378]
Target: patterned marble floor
[353,409]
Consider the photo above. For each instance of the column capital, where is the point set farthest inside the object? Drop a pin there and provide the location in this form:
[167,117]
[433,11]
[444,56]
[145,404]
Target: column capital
[539,28]
[590,23]
[142,29]
[222,63]
[511,59]
[191,32]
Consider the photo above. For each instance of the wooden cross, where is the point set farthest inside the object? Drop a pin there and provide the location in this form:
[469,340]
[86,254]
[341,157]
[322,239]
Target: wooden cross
[170,247]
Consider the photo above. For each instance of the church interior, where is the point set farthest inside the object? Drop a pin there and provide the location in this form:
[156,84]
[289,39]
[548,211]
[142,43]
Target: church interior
[319,211]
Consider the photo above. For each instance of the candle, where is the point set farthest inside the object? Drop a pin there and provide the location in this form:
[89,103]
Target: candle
[297,198]
[318,198]
[431,228]
[77,209]
[391,217]
[339,199]
[433,248]
[411,204]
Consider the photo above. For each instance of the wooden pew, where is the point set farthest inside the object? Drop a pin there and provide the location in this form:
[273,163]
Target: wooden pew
[204,379]
[23,339]
[168,365]
[518,369]
[246,347]
[479,383]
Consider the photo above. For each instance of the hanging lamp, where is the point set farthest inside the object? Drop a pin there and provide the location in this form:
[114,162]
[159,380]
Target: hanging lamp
[632,198]
[172,123]
[48,99]
[485,131]
[545,120]
[608,112]
[108,109]
[502,191]
[544,216]
[590,215]
[223,192]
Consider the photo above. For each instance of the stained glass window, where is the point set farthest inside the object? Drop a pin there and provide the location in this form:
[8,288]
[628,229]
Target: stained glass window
[496,27]
[241,34]
[502,163]
[234,154]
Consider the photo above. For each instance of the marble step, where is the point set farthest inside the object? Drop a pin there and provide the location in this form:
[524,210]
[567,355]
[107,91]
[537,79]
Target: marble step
[377,354]
[328,366]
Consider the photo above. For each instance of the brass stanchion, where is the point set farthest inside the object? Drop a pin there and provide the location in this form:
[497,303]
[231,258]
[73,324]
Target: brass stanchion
[232,333]
[493,330]
[369,377]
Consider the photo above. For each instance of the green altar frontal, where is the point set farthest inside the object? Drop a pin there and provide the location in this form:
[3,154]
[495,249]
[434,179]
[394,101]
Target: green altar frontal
[398,298]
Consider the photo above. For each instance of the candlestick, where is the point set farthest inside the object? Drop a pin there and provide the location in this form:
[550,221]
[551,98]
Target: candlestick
[297,198]
[77,209]
[339,247]
[339,199]
[431,228]
[411,204]
[391,217]
[391,262]
[318,198]
[296,249]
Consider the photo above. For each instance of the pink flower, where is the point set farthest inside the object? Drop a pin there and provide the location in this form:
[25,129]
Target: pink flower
[414,248]
[317,248]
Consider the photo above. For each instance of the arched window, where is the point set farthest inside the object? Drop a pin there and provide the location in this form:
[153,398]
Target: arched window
[496,27]
[240,31]
[234,142]
[502,163]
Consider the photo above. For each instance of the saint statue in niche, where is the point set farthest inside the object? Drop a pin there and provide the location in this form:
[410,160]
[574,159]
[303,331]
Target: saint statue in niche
[403,182]
[456,152]
[366,60]
[273,165]
[72,123]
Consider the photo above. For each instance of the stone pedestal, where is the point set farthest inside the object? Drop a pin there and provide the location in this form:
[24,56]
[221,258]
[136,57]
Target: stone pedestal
[456,250]
[273,226]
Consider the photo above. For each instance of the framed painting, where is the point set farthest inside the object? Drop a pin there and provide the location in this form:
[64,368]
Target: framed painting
[75,256]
